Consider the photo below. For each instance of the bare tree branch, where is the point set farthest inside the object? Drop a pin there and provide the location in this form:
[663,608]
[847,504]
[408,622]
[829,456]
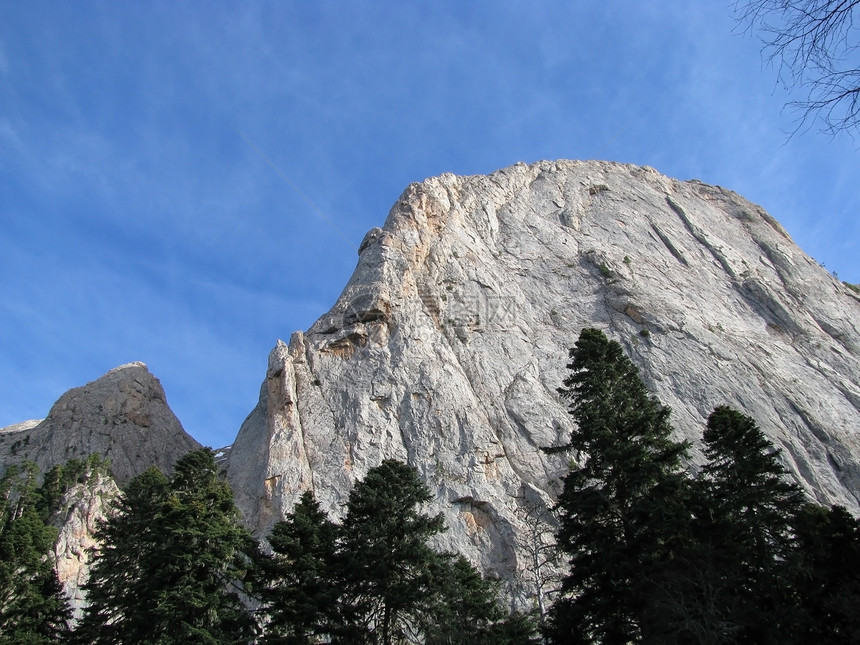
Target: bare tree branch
[814,45]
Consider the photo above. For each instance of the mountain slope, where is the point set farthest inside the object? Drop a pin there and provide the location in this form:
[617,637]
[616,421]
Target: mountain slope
[447,345]
[122,415]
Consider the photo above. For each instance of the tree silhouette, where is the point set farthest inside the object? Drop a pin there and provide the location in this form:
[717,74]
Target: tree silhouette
[169,559]
[619,510]
[299,581]
[33,607]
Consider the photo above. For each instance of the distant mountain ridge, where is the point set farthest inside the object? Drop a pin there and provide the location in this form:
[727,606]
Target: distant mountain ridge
[447,345]
[122,415]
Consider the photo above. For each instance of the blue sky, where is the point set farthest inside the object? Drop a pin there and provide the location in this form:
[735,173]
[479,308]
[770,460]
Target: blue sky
[137,224]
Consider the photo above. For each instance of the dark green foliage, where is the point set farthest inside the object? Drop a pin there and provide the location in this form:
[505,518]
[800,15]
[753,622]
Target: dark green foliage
[119,576]
[388,568]
[59,479]
[824,572]
[170,560]
[298,583]
[726,581]
[33,608]
[204,552]
[375,579]
[746,481]
[732,555]
[469,604]
[745,527]
[516,629]
[469,612]
[619,510]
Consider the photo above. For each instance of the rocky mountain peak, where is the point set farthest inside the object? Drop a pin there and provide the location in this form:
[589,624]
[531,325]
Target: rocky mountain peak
[447,345]
[123,415]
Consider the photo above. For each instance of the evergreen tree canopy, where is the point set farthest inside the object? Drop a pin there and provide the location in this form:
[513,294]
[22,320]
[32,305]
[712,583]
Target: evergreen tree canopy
[170,559]
[621,512]
[61,478]
[119,581]
[299,582]
[659,556]
[824,571]
[374,578]
[469,613]
[388,569]
[745,477]
[748,514]
[33,607]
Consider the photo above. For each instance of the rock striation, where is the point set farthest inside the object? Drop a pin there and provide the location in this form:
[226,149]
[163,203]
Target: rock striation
[447,345]
[123,416]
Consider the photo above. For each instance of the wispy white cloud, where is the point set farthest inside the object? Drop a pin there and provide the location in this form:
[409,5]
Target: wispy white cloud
[148,224]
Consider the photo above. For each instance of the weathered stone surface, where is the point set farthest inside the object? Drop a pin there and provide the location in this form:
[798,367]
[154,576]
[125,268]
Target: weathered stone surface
[123,416]
[447,345]
[79,511]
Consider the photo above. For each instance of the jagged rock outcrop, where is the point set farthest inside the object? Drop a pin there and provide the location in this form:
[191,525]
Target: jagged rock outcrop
[447,345]
[80,509]
[123,416]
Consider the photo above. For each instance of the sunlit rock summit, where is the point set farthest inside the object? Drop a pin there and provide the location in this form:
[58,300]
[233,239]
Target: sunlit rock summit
[447,345]
[122,416]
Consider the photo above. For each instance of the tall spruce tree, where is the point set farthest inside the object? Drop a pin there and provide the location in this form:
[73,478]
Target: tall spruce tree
[657,556]
[170,561]
[119,589]
[33,607]
[374,578]
[389,587]
[298,583]
[622,511]
[469,611]
[748,515]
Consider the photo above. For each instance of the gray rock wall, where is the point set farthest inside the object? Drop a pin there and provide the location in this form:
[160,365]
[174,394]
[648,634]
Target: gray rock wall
[447,345]
[81,508]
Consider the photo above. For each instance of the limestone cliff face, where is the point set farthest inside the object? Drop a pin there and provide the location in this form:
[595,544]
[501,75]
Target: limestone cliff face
[447,345]
[123,416]
[79,511]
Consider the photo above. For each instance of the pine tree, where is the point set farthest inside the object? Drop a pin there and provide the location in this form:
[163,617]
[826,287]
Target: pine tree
[169,562]
[60,478]
[374,578]
[33,607]
[119,583]
[746,529]
[204,556]
[622,511]
[469,611]
[388,567]
[468,606]
[298,583]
